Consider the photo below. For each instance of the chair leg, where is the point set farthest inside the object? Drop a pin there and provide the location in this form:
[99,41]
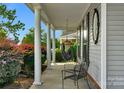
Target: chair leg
[62,81]
[77,84]
[74,82]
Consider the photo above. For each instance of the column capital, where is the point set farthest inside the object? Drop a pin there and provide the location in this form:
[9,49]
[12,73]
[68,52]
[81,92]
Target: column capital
[50,25]
[37,6]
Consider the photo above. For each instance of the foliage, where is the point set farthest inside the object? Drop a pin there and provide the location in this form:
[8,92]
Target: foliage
[10,59]
[70,53]
[8,21]
[8,72]
[57,43]
[27,49]
[28,52]
[28,41]
[29,38]
[44,38]
[59,55]
[74,50]
[3,34]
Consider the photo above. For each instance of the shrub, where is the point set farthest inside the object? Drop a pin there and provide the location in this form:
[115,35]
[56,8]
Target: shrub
[10,59]
[8,72]
[59,55]
[28,52]
[73,48]
[70,54]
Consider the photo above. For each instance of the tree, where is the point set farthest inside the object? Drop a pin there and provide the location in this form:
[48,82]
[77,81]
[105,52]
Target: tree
[44,37]
[29,38]
[3,34]
[8,22]
[57,43]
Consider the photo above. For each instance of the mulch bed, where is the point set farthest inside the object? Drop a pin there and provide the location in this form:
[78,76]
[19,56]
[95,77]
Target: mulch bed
[20,83]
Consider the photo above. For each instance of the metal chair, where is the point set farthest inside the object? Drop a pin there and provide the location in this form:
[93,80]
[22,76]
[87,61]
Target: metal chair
[76,73]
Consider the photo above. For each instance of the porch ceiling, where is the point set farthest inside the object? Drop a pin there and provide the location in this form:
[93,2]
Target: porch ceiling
[57,13]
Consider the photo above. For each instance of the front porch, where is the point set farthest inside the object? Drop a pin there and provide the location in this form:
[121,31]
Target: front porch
[93,35]
[88,50]
[52,78]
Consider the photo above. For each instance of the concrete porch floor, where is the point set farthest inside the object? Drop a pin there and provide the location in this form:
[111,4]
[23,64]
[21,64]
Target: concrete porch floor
[52,78]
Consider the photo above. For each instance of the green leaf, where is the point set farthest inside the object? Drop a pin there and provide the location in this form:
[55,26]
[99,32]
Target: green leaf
[8,21]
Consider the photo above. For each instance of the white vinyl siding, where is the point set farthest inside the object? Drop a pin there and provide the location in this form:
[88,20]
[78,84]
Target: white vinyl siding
[94,50]
[115,45]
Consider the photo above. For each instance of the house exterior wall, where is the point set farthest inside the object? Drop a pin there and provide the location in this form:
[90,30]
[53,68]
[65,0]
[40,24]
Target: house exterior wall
[94,49]
[115,45]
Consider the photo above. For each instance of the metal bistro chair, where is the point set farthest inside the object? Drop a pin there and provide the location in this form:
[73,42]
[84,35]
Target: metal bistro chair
[75,74]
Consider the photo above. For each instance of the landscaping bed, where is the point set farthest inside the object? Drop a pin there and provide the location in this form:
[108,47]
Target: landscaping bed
[20,83]
[17,65]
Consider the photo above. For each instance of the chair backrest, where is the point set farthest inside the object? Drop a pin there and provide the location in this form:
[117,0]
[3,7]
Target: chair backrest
[83,70]
[80,70]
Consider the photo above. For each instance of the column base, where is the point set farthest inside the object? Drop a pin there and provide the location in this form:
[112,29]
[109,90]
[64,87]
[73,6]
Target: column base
[37,83]
[53,63]
[49,68]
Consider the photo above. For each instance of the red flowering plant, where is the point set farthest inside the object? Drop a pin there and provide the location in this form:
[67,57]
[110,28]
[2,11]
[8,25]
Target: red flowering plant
[10,59]
[26,49]
[28,53]
[28,56]
[9,51]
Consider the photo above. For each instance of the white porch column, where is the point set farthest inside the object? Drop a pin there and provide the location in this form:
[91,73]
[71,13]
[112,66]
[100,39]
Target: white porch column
[60,43]
[37,42]
[48,46]
[53,47]
[77,45]
[82,45]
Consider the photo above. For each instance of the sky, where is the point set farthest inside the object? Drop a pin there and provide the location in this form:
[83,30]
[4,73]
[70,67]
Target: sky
[26,16]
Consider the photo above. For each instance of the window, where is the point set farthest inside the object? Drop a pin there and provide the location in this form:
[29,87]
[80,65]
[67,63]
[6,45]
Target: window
[79,41]
[85,25]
